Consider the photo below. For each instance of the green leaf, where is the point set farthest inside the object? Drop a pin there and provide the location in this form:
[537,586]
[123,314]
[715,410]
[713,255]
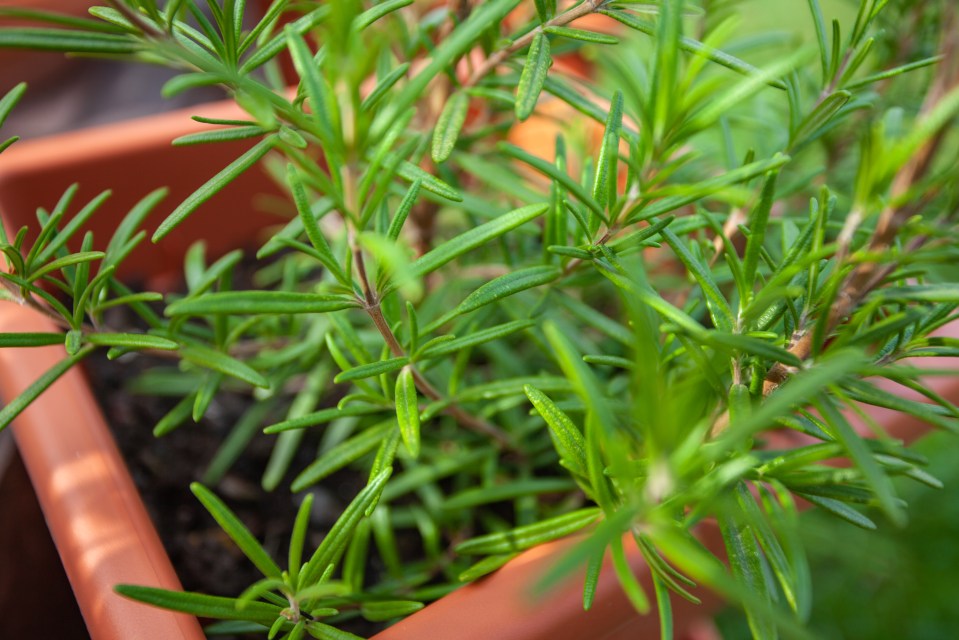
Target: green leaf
[130,340]
[412,173]
[218,361]
[10,100]
[480,337]
[627,579]
[31,393]
[664,608]
[462,39]
[314,87]
[891,73]
[474,238]
[862,457]
[124,232]
[719,310]
[485,566]
[383,86]
[6,144]
[312,228]
[335,541]
[824,53]
[298,537]
[819,117]
[449,125]
[551,171]
[507,285]
[75,22]
[69,41]
[66,261]
[30,339]
[580,34]
[766,537]
[200,604]
[389,609]
[74,225]
[403,211]
[237,531]
[693,46]
[408,411]
[259,302]
[600,420]
[936,415]
[751,346]
[605,184]
[531,81]
[594,566]
[497,493]
[758,218]
[326,632]
[214,185]
[545,10]
[840,509]
[531,535]
[946,292]
[323,416]
[73,342]
[373,14]
[746,561]
[705,188]
[567,438]
[267,20]
[372,369]
[219,135]
[342,455]
[175,416]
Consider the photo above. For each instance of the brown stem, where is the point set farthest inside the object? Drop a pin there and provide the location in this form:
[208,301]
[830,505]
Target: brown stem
[583,9]
[868,275]
[453,410]
[134,17]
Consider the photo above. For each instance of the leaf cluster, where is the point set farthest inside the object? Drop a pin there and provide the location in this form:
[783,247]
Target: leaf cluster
[677,307]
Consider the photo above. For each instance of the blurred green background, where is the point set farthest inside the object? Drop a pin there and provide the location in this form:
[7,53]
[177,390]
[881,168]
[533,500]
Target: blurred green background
[890,583]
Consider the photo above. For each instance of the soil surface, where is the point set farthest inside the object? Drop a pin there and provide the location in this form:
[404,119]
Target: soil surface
[205,559]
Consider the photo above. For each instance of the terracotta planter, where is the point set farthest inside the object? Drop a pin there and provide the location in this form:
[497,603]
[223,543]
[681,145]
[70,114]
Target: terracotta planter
[38,68]
[98,521]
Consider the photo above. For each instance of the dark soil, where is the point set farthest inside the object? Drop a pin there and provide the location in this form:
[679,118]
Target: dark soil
[205,559]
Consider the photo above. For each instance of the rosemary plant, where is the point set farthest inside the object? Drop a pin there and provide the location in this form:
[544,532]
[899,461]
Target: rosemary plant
[603,328]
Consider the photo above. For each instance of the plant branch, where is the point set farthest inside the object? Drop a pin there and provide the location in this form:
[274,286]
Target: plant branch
[866,276]
[583,9]
[371,303]
[453,410]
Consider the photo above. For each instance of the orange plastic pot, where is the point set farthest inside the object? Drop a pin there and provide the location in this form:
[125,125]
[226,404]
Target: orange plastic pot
[38,68]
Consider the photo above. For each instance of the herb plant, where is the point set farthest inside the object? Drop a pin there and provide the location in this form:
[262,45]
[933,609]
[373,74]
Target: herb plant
[606,328]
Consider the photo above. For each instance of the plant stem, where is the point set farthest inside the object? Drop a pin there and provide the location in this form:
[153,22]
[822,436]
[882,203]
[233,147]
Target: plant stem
[456,412]
[371,304]
[866,276]
[583,9]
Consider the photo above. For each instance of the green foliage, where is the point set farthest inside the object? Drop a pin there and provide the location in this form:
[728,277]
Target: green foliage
[509,339]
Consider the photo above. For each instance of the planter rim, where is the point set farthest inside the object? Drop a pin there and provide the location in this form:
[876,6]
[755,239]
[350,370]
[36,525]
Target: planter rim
[45,153]
[95,515]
